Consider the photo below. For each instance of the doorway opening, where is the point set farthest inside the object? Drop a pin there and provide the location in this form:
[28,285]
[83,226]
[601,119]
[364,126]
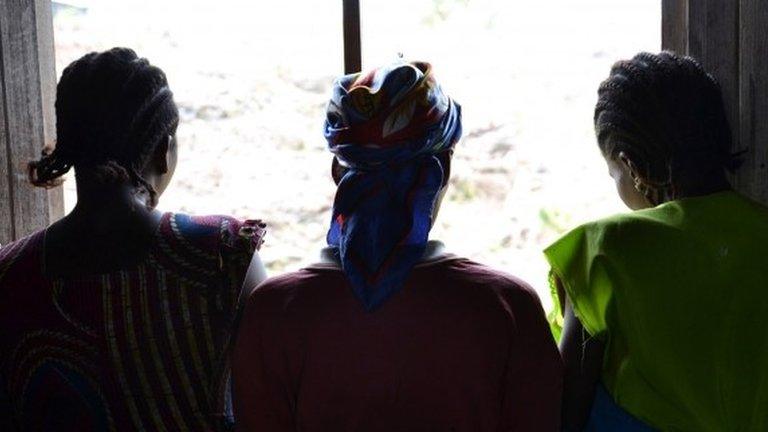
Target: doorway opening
[252,79]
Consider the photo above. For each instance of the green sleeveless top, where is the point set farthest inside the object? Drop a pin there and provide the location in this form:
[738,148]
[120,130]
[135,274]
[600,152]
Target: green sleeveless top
[679,293]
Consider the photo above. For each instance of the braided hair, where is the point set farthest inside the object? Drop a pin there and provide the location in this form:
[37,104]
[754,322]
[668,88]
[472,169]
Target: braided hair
[666,113]
[112,110]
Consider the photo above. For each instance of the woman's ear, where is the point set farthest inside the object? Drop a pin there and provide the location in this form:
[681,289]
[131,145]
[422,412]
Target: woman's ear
[160,158]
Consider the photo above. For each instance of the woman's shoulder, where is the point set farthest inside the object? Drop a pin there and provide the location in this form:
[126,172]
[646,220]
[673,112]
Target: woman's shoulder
[26,252]
[201,247]
[640,223]
[476,275]
[685,215]
[212,232]
[12,249]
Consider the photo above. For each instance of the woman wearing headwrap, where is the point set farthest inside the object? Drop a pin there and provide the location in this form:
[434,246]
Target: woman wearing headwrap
[390,332]
[120,317]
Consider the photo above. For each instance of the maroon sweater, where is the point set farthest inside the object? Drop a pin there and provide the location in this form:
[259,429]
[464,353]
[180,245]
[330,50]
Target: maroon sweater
[461,348]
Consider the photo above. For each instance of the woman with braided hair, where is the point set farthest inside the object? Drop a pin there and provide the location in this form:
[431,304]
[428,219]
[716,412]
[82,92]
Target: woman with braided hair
[119,317]
[389,332]
[665,307]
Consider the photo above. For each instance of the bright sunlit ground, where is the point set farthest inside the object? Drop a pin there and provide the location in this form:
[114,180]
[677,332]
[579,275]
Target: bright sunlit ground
[252,78]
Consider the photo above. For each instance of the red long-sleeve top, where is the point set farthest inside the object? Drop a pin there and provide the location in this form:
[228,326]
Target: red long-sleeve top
[461,348]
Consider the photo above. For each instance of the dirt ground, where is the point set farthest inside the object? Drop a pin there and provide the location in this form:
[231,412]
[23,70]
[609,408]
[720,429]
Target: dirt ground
[252,79]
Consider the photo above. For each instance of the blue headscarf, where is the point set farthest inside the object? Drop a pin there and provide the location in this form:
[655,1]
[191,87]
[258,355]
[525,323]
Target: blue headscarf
[386,127]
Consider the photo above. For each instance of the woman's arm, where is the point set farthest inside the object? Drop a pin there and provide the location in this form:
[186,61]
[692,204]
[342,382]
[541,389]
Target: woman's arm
[583,358]
[255,275]
[534,381]
[260,398]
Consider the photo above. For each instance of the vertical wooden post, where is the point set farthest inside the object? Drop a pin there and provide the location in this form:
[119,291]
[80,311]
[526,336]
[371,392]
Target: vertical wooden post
[674,25]
[729,39]
[352,48]
[47,59]
[708,30]
[713,39]
[27,91]
[753,94]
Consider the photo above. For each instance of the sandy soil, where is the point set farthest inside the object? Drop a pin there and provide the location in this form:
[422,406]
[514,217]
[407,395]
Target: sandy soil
[252,79]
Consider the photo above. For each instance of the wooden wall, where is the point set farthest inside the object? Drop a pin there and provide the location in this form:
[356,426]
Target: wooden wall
[730,38]
[27,93]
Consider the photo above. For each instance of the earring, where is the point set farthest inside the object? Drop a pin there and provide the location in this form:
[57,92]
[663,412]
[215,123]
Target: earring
[650,193]
[640,185]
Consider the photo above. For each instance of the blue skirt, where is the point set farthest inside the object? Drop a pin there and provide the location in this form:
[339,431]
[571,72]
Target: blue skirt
[606,416]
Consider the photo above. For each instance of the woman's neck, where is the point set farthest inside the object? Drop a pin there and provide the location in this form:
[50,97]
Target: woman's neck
[116,207]
[706,185]
[434,250]
[111,218]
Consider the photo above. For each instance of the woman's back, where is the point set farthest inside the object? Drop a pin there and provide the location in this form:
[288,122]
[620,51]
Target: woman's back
[462,348]
[144,347]
[677,292]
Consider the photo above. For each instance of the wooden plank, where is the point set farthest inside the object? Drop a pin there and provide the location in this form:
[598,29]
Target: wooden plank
[6,193]
[352,48]
[674,25]
[713,39]
[723,36]
[47,61]
[24,126]
[708,30]
[752,178]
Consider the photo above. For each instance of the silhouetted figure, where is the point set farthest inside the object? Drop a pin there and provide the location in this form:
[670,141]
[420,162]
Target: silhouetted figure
[390,332]
[665,307]
[119,317]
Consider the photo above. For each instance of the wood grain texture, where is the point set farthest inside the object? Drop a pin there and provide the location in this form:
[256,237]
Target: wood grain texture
[730,39]
[6,193]
[752,178]
[708,30]
[713,39]
[23,132]
[352,46]
[47,61]
[674,25]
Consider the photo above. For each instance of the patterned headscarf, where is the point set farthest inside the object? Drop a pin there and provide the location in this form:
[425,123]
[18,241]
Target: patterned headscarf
[386,126]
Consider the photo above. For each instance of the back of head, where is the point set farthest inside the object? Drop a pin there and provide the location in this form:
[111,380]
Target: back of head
[667,114]
[388,127]
[112,110]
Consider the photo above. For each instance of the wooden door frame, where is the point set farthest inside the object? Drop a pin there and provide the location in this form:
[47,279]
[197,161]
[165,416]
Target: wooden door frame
[352,47]
[27,125]
[728,38]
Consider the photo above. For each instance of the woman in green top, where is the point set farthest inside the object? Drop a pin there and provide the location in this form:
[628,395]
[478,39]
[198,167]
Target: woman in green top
[666,313]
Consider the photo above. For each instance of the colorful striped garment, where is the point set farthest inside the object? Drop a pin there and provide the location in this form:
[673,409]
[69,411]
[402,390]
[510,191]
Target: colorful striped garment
[145,348]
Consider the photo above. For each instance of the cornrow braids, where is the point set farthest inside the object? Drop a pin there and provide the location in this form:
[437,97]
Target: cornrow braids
[112,110]
[667,114]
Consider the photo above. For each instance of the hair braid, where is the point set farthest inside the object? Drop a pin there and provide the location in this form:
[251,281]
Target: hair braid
[46,172]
